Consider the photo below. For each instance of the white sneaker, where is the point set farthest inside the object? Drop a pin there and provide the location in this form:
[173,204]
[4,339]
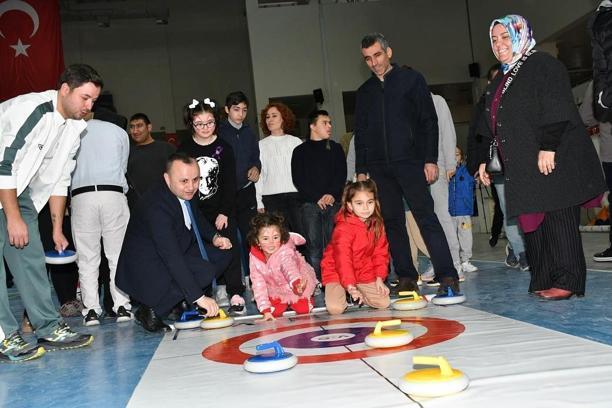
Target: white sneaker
[429,274]
[468,267]
[461,275]
[221,296]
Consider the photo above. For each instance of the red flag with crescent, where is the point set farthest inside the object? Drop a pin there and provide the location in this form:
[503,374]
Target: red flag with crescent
[31,54]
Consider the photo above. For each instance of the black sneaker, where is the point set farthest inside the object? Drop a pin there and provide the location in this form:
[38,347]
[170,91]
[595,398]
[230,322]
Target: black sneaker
[604,256]
[14,349]
[63,338]
[123,315]
[91,319]
[405,285]
[236,306]
[511,259]
[523,263]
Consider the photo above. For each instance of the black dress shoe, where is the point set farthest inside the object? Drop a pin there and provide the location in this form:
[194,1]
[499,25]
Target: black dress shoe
[179,309]
[149,320]
[493,240]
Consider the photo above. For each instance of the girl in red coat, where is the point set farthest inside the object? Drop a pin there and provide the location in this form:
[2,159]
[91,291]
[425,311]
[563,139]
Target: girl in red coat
[357,258]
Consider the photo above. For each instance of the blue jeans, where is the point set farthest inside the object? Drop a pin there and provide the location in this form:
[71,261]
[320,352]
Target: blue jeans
[317,225]
[514,235]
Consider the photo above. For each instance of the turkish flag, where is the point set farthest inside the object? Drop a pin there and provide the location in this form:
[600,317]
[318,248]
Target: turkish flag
[31,54]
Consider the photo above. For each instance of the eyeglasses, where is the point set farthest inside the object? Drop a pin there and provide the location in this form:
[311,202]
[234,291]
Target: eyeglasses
[202,125]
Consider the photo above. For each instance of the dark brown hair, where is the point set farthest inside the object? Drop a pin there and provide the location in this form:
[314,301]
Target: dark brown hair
[375,222]
[263,220]
[286,114]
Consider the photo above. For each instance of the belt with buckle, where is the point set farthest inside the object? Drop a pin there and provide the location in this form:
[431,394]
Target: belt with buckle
[99,187]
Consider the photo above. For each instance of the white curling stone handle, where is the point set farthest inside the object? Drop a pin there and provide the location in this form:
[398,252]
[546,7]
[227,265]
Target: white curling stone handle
[434,389]
[271,366]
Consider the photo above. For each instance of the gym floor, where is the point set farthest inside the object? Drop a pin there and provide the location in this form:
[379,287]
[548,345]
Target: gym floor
[565,345]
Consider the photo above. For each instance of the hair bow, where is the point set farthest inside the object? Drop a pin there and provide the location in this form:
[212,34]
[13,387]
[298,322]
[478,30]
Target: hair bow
[194,103]
[209,102]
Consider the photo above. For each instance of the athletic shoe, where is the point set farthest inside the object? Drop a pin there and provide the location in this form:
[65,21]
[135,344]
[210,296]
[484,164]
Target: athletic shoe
[123,315]
[237,306]
[14,349]
[468,267]
[434,283]
[71,308]
[63,338]
[429,274]
[460,274]
[405,285]
[221,296]
[603,256]
[91,319]
[523,264]
[511,259]
[493,240]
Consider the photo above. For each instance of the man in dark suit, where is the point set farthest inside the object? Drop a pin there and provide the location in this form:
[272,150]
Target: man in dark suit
[169,253]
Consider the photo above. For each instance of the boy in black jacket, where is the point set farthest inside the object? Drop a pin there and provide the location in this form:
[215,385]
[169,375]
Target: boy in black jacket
[318,170]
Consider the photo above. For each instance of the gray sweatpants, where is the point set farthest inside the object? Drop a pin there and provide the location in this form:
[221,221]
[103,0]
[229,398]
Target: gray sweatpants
[439,193]
[30,275]
[463,228]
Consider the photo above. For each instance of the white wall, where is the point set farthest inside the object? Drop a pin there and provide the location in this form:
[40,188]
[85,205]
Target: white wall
[157,69]
[299,48]
[210,48]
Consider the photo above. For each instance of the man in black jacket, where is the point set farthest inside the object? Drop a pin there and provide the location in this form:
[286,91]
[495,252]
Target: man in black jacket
[170,253]
[396,143]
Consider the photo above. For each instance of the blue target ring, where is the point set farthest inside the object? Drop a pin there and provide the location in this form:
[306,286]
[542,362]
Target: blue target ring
[323,338]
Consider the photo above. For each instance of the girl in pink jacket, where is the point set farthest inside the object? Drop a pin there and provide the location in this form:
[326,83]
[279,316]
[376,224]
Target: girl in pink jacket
[280,276]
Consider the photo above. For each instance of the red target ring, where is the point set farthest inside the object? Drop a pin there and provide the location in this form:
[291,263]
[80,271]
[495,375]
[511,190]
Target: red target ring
[438,331]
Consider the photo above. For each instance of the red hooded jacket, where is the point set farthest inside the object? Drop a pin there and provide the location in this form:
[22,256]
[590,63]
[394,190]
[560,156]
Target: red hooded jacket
[352,256]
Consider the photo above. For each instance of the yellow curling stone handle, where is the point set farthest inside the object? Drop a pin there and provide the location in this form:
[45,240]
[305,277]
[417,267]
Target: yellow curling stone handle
[219,316]
[415,296]
[380,325]
[445,368]
[443,374]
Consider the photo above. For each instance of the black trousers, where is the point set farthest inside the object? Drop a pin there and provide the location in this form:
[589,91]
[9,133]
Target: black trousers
[556,257]
[288,205]
[219,260]
[246,209]
[498,215]
[65,278]
[232,274]
[407,180]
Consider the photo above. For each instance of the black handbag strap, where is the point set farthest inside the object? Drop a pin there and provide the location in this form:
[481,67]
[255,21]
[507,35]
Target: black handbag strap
[509,80]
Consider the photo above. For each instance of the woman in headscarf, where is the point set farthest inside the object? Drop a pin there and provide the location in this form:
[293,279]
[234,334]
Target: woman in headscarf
[550,166]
